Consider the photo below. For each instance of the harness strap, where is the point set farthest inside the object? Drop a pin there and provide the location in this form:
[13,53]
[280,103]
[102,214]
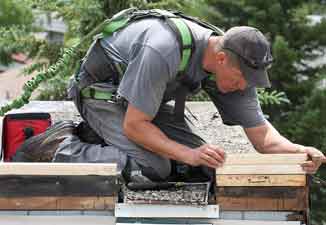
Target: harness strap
[90,92]
[175,22]
[186,41]
[180,102]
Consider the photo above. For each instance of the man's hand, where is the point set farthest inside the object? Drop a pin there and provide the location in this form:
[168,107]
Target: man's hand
[208,155]
[316,159]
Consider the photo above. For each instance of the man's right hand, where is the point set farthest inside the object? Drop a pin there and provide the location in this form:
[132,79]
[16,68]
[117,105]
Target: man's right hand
[207,155]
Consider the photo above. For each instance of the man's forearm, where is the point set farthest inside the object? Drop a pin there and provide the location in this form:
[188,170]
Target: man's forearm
[280,144]
[266,139]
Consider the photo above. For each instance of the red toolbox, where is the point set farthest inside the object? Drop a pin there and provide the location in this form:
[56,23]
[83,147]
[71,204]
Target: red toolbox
[20,126]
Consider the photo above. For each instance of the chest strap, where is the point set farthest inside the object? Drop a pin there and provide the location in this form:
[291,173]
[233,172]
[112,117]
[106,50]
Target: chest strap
[92,93]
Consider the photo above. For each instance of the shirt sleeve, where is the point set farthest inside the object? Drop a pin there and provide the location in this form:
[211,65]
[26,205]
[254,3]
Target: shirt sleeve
[236,108]
[145,79]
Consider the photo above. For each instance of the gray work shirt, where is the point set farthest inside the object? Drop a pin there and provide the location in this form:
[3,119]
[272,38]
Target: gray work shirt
[150,50]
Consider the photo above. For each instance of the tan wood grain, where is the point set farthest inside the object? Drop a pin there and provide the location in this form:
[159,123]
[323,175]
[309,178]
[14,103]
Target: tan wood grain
[57,203]
[260,169]
[260,203]
[58,169]
[262,159]
[260,180]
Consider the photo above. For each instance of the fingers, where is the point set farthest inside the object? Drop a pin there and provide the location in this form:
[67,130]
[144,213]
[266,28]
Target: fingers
[212,156]
[208,161]
[310,167]
[215,155]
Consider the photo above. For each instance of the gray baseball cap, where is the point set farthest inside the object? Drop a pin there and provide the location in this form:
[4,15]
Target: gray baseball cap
[253,50]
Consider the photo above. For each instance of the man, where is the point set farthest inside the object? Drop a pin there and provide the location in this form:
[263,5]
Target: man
[141,132]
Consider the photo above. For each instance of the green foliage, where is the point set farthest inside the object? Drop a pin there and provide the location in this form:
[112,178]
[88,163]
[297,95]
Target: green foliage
[290,32]
[14,12]
[306,125]
[272,98]
[16,39]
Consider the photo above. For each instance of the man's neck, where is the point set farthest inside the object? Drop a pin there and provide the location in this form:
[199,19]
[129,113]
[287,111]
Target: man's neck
[209,62]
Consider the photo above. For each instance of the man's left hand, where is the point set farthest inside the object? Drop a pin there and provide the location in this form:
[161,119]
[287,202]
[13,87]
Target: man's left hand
[316,158]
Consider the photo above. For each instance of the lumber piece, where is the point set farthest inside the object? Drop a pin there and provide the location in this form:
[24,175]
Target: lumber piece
[268,192]
[19,186]
[260,169]
[263,198]
[58,203]
[260,180]
[254,222]
[57,169]
[262,159]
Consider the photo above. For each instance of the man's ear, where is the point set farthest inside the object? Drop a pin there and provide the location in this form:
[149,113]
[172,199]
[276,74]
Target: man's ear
[221,58]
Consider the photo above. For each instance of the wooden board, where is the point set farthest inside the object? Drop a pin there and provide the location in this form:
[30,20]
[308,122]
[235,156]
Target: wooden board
[263,159]
[57,203]
[64,219]
[260,180]
[260,169]
[262,198]
[16,186]
[58,169]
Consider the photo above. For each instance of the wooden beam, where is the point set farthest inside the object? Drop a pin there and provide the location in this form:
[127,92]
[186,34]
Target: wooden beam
[262,159]
[33,186]
[254,222]
[262,199]
[58,203]
[260,169]
[57,169]
[260,180]
[260,204]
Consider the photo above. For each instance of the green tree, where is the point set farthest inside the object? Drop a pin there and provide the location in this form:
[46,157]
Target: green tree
[14,12]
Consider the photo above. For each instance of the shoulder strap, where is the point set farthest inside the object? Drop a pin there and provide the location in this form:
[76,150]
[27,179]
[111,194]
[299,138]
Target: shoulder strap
[185,39]
[176,23]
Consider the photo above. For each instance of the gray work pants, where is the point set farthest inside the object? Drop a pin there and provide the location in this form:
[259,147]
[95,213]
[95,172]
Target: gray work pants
[106,119]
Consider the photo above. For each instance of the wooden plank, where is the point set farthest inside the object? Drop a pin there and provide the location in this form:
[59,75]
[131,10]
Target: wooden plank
[260,204]
[260,169]
[58,169]
[64,219]
[57,203]
[268,192]
[254,222]
[262,199]
[166,211]
[262,159]
[16,186]
[260,180]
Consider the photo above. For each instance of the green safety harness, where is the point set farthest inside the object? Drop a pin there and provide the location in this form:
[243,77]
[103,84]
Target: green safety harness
[176,21]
